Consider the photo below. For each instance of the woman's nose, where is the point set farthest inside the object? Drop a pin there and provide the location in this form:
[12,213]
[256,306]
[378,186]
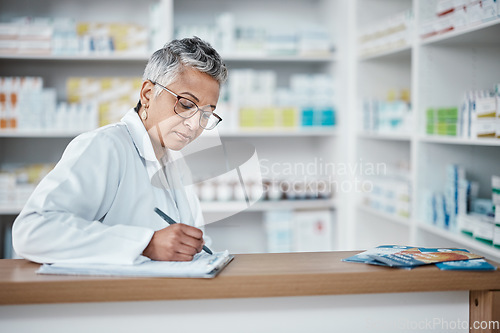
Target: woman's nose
[194,122]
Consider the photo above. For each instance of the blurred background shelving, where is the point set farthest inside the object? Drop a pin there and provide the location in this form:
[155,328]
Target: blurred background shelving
[444,58]
[396,73]
[277,56]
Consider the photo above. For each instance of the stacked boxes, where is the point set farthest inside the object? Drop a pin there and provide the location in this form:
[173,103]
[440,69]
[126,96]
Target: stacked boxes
[448,15]
[65,36]
[229,37]
[392,33]
[495,189]
[442,121]
[112,97]
[387,116]
[390,196]
[303,231]
[459,209]
[478,116]
[26,105]
[120,38]
[18,182]
[308,103]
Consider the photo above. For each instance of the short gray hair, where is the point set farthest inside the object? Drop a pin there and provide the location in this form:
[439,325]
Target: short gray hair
[167,63]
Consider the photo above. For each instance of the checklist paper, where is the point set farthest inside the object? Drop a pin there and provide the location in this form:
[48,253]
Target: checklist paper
[203,265]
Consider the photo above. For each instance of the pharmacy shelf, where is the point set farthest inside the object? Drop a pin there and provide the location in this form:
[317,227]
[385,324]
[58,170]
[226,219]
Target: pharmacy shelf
[224,133]
[145,57]
[467,242]
[385,136]
[320,132]
[483,33]
[279,58]
[459,141]
[389,217]
[262,206]
[232,206]
[10,210]
[38,134]
[76,57]
[392,53]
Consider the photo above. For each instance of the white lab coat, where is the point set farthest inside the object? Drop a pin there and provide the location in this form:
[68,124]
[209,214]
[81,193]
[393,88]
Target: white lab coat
[97,204]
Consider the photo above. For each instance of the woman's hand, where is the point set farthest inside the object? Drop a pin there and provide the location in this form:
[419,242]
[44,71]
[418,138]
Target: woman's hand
[177,242]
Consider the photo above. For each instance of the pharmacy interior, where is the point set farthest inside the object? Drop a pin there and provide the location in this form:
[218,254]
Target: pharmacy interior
[374,122]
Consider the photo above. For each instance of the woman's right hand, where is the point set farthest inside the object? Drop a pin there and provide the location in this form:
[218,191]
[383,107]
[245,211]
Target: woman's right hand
[177,242]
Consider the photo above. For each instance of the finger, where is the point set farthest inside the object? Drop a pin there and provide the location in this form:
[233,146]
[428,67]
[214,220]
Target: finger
[192,231]
[181,257]
[196,244]
[186,249]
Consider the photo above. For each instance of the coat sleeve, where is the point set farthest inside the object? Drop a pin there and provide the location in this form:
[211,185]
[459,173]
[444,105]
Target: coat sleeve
[61,220]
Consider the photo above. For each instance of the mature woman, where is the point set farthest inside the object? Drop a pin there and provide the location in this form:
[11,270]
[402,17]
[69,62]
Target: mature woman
[97,204]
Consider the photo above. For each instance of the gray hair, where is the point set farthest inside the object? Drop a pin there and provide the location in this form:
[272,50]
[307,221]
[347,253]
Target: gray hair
[167,63]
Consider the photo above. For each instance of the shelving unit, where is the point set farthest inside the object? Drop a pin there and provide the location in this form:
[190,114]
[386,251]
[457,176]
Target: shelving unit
[460,141]
[262,206]
[389,217]
[439,70]
[384,136]
[458,240]
[395,53]
[272,145]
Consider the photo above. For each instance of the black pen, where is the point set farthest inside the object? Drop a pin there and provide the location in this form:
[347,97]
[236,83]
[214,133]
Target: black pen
[169,220]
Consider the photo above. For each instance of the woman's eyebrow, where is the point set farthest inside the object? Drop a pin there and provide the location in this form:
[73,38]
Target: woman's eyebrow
[190,94]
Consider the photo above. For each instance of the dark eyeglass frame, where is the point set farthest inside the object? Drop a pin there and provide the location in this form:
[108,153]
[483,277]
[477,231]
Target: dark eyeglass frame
[210,113]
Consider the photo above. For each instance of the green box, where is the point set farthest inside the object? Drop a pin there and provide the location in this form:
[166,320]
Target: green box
[289,117]
[248,117]
[431,116]
[267,117]
[431,128]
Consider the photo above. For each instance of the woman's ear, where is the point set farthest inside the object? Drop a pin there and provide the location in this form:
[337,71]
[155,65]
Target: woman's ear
[147,92]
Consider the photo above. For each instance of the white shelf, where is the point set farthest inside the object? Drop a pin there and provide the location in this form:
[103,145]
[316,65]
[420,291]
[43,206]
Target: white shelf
[38,134]
[279,58]
[389,217]
[483,33]
[231,206]
[385,136]
[261,206]
[266,132]
[320,132]
[467,242]
[403,51]
[145,57]
[76,57]
[459,141]
[10,210]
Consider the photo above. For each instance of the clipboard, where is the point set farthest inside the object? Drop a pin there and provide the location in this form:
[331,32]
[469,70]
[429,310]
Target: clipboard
[203,265]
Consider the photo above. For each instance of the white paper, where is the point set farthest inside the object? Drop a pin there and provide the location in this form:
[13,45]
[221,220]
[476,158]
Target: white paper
[203,265]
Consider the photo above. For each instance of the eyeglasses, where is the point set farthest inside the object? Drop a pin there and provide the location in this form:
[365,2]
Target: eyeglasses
[186,108]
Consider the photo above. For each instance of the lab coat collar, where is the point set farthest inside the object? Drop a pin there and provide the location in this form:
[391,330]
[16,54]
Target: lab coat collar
[139,135]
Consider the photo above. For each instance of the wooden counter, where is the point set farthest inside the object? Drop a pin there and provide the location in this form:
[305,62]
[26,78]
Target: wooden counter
[249,275]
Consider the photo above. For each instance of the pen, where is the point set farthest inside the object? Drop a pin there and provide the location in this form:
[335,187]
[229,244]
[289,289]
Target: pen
[169,220]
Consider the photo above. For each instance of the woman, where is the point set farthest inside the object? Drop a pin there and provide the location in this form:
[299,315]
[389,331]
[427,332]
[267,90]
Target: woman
[97,204]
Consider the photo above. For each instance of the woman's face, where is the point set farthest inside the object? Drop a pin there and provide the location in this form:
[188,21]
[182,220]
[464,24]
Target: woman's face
[164,126]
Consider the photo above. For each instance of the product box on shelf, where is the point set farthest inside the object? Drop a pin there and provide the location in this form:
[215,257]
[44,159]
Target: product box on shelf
[304,231]
[65,36]
[392,115]
[231,37]
[18,182]
[279,231]
[112,96]
[392,33]
[308,102]
[455,15]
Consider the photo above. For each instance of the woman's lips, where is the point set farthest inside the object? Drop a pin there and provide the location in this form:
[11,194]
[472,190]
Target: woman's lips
[183,137]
